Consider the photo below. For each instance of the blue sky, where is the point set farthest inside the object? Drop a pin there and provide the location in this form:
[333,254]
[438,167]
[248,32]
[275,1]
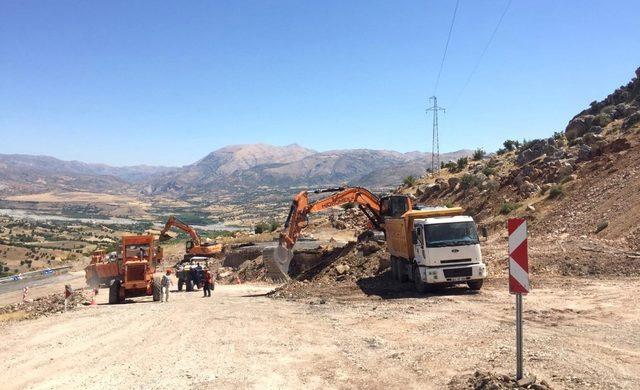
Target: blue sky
[159,82]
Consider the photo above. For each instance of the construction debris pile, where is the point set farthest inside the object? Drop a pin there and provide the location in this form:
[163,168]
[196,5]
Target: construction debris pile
[350,218]
[483,380]
[345,266]
[45,306]
[250,270]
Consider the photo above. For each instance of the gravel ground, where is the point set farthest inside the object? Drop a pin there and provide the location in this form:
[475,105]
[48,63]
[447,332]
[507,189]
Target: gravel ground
[578,334]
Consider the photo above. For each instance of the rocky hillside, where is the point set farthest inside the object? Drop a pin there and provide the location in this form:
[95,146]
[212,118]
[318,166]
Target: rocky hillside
[579,189]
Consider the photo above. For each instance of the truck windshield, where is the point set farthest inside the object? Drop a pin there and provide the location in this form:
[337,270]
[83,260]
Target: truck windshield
[451,234]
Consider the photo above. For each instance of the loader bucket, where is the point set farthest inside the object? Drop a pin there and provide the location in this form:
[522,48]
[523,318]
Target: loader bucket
[276,260]
[164,237]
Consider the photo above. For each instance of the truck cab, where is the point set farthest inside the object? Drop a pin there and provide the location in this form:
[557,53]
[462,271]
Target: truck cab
[447,250]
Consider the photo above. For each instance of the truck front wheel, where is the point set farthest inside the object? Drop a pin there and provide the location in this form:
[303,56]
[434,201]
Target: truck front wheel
[403,275]
[420,286]
[157,289]
[475,285]
[114,292]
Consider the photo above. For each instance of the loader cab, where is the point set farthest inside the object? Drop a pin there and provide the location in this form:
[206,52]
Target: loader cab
[395,206]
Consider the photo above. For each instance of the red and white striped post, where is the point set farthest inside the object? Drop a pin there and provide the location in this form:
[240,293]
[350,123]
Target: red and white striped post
[25,293]
[518,277]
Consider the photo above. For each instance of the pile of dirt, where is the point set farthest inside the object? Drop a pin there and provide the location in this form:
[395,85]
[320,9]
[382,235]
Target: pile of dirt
[483,380]
[45,306]
[250,270]
[350,218]
[337,267]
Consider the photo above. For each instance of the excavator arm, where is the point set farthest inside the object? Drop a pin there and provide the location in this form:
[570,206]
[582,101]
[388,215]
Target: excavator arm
[278,258]
[301,208]
[173,221]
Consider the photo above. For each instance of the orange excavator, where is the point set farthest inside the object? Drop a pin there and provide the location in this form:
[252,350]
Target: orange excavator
[194,246]
[278,258]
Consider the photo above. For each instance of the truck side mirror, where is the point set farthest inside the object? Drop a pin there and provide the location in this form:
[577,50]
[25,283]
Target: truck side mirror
[414,237]
[485,232]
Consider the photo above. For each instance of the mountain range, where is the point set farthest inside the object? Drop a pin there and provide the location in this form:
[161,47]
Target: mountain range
[229,168]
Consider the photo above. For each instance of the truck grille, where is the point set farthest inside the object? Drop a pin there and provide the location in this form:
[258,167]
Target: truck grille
[455,261]
[135,272]
[457,272]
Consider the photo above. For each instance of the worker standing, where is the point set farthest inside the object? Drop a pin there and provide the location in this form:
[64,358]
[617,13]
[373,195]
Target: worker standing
[208,283]
[166,284]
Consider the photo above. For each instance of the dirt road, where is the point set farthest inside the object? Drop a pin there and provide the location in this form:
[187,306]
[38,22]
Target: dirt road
[577,335]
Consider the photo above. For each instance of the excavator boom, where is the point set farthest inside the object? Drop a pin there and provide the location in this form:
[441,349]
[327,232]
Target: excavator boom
[278,258]
[173,221]
[196,247]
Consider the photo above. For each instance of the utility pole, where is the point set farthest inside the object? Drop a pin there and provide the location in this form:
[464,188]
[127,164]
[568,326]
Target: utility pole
[435,141]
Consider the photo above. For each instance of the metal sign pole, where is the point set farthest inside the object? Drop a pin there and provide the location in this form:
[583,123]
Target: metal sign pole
[518,336]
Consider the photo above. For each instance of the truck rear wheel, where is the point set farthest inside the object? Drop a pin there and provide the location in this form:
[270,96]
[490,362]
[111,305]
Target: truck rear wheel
[394,268]
[114,292]
[157,289]
[475,285]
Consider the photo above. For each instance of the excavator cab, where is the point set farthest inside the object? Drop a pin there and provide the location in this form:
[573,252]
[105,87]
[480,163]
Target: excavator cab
[395,206]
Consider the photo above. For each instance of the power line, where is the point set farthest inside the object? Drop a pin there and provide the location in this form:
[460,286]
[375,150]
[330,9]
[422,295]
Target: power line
[486,47]
[446,46]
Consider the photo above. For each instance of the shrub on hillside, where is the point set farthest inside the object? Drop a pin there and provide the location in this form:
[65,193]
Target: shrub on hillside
[462,163]
[508,207]
[556,191]
[601,120]
[266,226]
[468,180]
[479,154]
[409,181]
[511,145]
[450,165]
[488,171]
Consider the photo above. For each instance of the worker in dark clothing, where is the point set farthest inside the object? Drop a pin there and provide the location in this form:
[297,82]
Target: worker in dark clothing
[208,283]
[193,272]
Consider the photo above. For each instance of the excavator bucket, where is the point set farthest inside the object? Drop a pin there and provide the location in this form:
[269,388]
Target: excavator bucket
[276,260]
[164,237]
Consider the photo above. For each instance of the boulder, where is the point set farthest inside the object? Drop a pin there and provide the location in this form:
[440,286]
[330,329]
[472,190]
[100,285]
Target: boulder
[591,138]
[527,188]
[538,148]
[631,120]
[341,269]
[578,126]
[594,130]
[623,110]
[584,152]
[564,170]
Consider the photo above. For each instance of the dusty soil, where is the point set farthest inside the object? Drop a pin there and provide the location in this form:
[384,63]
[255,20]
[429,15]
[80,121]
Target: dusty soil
[578,334]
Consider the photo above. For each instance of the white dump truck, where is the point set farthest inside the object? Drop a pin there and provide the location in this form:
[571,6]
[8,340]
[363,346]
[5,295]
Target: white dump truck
[432,247]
